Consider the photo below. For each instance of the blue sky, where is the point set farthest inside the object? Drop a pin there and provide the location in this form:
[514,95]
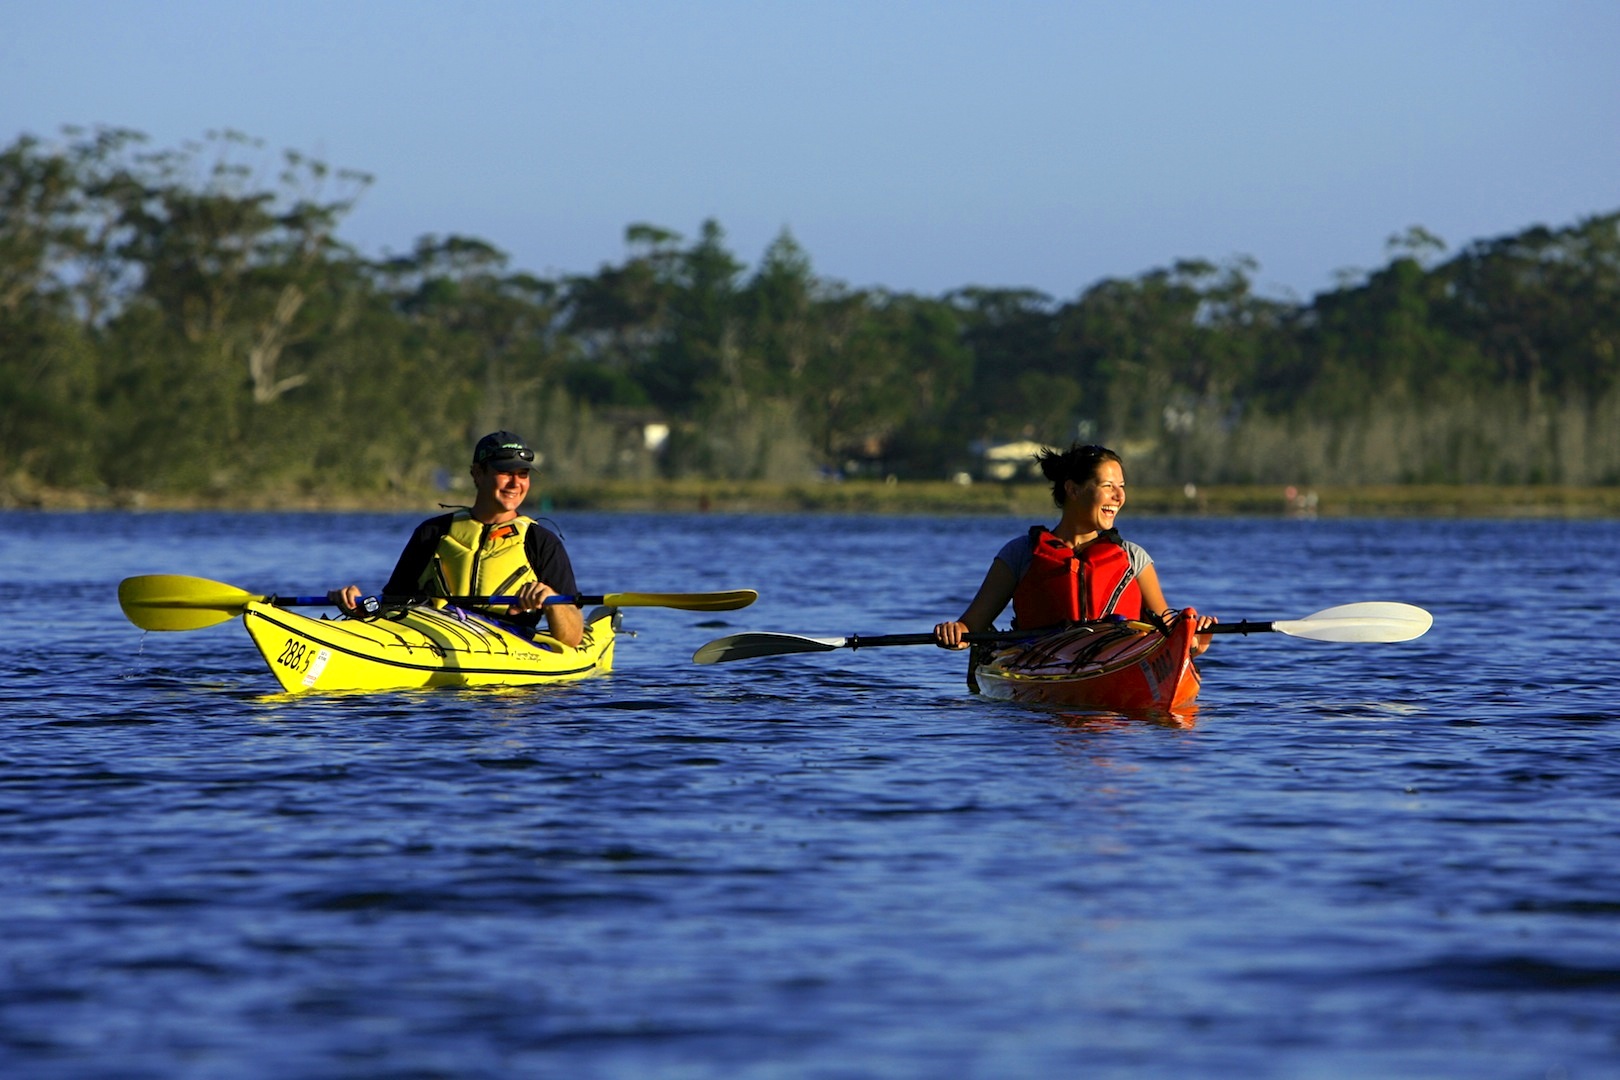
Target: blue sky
[915,146]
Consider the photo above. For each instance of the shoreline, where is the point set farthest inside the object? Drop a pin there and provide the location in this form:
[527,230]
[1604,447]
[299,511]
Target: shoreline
[878,497]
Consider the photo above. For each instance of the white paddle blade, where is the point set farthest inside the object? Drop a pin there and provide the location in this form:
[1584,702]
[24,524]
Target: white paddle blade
[1374,621]
[764,643]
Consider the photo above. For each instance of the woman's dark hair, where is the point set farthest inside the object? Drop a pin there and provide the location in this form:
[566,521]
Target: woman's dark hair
[1078,463]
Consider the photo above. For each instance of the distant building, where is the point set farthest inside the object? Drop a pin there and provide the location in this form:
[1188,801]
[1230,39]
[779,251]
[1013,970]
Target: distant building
[1011,460]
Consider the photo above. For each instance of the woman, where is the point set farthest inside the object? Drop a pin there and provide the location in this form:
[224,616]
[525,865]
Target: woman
[1079,569]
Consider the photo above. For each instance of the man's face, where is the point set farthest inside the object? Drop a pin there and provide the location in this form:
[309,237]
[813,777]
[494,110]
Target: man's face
[507,488]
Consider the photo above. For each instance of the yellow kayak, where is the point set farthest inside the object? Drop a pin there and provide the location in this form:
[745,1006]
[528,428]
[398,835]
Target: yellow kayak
[420,646]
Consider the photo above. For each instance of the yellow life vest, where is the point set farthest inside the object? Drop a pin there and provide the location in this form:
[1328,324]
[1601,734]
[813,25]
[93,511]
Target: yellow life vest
[475,559]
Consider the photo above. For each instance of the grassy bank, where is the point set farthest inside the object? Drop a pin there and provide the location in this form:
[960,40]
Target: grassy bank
[1034,500]
[1022,500]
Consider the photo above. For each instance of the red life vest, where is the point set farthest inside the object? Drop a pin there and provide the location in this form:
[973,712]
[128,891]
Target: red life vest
[1063,585]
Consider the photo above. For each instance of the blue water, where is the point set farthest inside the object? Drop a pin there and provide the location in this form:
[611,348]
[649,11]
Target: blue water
[1361,860]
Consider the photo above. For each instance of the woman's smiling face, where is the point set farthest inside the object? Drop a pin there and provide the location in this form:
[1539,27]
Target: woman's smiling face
[1099,499]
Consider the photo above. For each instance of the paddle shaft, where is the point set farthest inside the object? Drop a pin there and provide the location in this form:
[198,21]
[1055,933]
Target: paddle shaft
[577,601]
[322,601]
[1242,627]
[989,637]
[1002,637]
[181,602]
[1361,622]
[856,641]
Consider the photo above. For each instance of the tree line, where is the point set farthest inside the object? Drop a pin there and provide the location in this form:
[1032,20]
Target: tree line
[189,320]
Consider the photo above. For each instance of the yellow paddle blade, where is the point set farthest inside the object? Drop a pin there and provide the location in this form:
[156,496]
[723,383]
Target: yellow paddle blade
[728,600]
[178,602]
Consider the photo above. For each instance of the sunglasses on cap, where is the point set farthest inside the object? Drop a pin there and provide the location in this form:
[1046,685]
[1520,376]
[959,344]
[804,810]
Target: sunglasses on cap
[507,453]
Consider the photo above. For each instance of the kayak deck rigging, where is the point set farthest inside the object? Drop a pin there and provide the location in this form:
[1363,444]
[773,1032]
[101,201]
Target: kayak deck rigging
[1118,666]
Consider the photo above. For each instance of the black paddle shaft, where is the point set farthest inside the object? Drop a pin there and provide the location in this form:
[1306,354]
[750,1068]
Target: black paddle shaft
[1242,627]
[991,637]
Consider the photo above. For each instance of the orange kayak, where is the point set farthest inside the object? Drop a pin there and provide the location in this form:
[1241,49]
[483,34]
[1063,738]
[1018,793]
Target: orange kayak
[1117,666]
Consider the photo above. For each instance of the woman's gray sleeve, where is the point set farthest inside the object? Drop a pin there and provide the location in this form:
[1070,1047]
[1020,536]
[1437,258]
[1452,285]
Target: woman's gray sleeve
[1140,559]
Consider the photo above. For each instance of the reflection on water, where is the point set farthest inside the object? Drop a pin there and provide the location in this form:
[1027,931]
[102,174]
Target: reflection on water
[1101,721]
[1355,860]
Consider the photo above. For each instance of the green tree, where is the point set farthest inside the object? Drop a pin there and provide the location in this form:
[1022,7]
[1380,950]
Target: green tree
[1021,387]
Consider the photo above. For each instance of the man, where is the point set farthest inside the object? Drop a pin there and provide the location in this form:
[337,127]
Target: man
[489,549]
